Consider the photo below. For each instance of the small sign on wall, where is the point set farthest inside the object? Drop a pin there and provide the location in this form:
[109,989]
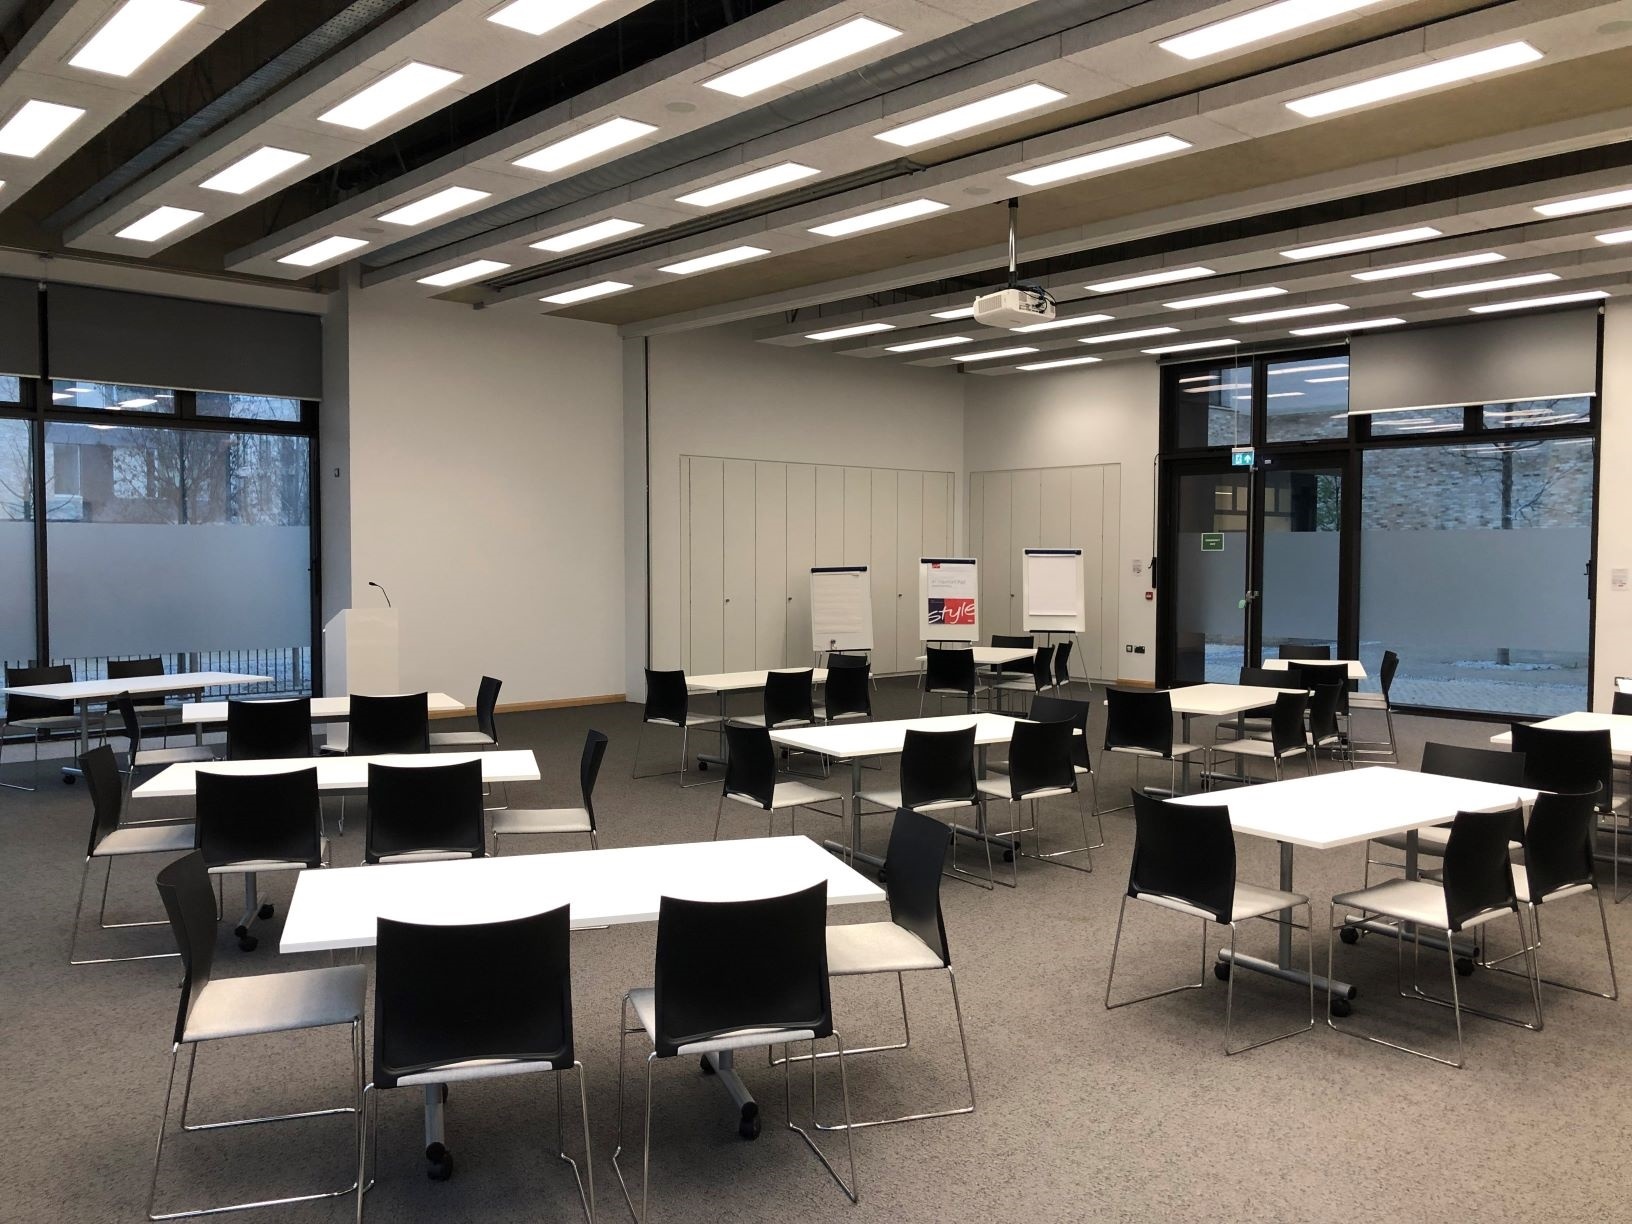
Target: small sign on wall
[1212,541]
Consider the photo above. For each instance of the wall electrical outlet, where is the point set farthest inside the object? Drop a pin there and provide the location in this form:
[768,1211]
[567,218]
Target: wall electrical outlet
[1128,648]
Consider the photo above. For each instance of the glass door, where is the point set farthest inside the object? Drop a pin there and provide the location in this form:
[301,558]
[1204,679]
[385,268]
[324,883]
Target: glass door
[1300,580]
[1205,565]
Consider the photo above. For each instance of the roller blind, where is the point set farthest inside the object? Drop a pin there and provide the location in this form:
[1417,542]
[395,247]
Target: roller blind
[1492,361]
[109,336]
[19,328]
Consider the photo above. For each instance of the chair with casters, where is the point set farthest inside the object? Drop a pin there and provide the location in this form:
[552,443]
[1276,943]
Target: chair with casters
[949,671]
[1292,652]
[1184,861]
[247,824]
[476,1001]
[732,976]
[1139,723]
[486,734]
[1324,730]
[750,779]
[668,703]
[424,813]
[1381,703]
[1040,679]
[1055,709]
[260,730]
[1575,761]
[43,718]
[110,840]
[1041,766]
[220,1009]
[1287,738]
[519,822]
[1476,887]
[137,757]
[1451,761]
[937,775]
[1256,721]
[1062,667]
[847,692]
[153,709]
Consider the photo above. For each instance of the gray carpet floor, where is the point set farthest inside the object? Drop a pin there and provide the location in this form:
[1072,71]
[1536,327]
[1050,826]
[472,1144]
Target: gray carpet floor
[1084,1113]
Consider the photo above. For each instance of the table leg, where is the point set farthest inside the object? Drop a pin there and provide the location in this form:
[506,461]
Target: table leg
[1004,843]
[73,770]
[853,853]
[1282,967]
[724,1065]
[1184,737]
[704,758]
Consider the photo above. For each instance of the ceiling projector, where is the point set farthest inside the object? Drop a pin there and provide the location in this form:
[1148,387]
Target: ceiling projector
[1014,307]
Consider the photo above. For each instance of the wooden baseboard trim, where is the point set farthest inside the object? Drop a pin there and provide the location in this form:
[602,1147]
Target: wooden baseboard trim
[1140,684]
[554,703]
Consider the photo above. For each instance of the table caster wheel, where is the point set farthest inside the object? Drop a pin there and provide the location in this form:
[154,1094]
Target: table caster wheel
[702,766]
[241,931]
[748,1127]
[248,943]
[1008,856]
[444,1090]
[1341,1006]
[1349,935]
[706,1066]
[441,1162]
[69,779]
[1221,970]
[265,911]
[1464,966]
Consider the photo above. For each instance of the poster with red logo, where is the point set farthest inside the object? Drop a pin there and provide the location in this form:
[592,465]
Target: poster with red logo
[948,599]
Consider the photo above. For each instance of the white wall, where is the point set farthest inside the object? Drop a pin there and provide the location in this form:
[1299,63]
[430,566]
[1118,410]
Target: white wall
[1102,414]
[1612,644]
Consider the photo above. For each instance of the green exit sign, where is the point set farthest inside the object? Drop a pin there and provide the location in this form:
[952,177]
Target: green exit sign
[1212,541]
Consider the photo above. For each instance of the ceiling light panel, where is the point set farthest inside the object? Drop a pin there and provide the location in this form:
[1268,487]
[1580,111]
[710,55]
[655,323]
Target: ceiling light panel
[1538,303]
[464,273]
[879,217]
[1223,299]
[800,60]
[591,142]
[743,186]
[588,235]
[1586,204]
[971,115]
[158,223]
[1291,312]
[1149,279]
[34,125]
[1429,266]
[1060,324]
[1258,25]
[960,312]
[993,354]
[586,293]
[324,252]
[1140,333]
[539,16]
[134,34]
[1188,347]
[918,346]
[855,329]
[719,259]
[1489,286]
[1616,238]
[1061,364]
[254,170]
[1102,160]
[398,90]
[1330,329]
[438,204]
[1453,71]
[1371,242]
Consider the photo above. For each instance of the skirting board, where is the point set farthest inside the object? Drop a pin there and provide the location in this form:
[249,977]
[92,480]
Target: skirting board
[555,703]
[1150,684]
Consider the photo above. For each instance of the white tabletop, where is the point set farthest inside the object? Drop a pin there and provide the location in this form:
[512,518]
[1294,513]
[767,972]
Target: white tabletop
[849,740]
[1357,669]
[1354,805]
[733,682]
[993,656]
[1222,700]
[100,690]
[324,709]
[1619,727]
[339,772]
[340,907]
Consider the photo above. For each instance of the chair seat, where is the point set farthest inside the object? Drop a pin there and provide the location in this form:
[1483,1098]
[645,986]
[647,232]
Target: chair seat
[892,799]
[425,856]
[1521,885]
[1419,901]
[541,820]
[1251,901]
[644,1001]
[758,720]
[877,947]
[1026,684]
[789,795]
[692,720]
[1179,750]
[250,865]
[147,839]
[461,739]
[823,716]
[173,756]
[1252,748]
[478,1069]
[277,1002]
[1000,788]
[1431,840]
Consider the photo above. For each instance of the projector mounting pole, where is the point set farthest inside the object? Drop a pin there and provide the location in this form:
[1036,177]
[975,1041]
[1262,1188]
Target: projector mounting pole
[1014,249]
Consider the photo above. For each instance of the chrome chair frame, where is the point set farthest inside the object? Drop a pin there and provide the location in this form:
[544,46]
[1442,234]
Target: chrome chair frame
[102,917]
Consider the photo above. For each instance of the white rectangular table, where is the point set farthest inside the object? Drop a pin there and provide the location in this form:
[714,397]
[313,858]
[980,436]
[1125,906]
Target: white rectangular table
[1619,727]
[1357,669]
[338,773]
[726,683]
[1342,808]
[991,656]
[324,709]
[1216,701]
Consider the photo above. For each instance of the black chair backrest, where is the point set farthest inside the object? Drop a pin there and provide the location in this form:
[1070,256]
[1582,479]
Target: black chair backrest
[1391,664]
[667,699]
[1040,757]
[1139,718]
[1057,709]
[949,669]
[848,689]
[189,903]
[1323,703]
[422,808]
[484,990]
[400,722]
[1263,677]
[101,773]
[788,697]
[127,669]
[589,768]
[838,658]
[1286,722]
[723,966]
[1062,662]
[273,817]
[125,708]
[1558,842]
[1042,667]
[19,708]
[750,764]
[487,704]
[1316,675]
[937,766]
[1620,703]
[1572,761]
[1478,873]
[1013,641]
[912,877]
[1290,650]
[1183,852]
[269,730]
[1474,764]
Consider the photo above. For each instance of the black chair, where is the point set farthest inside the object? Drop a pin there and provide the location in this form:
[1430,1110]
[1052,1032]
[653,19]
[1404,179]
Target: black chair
[514,822]
[1012,641]
[151,708]
[1140,723]
[1040,678]
[137,757]
[1286,738]
[424,813]
[1292,651]
[219,1009]
[110,840]
[750,779]
[482,1000]
[1574,761]
[44,718]
[259,730]
[847,692]
[1324,731]
[486,734]
[389,725]
[732,976]
[1184,861]
[789,701]
[1057,709]
[1062,667]
[948,672]
[1041,766]
[1379,701]
[253,823]
[1477,887]
[1620,702]
[1256,721]
[1316,675]
[937,775]
[1452,761]
[668,704]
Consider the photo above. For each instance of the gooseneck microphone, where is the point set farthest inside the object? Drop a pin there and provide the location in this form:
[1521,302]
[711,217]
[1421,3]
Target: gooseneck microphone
[372,583]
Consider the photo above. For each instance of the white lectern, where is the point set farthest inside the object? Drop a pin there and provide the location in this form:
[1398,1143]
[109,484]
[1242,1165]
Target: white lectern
[360,652]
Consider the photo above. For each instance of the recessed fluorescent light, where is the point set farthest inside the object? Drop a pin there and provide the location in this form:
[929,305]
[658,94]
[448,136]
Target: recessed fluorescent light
[878,217]
[1220,299]
[1586,204]
[718,259]
[1415,80]
[35,125]
[1614,239]
[962,312]
[1151,278]
[391,94]
[585,144]
[248,173]
[1506,282]
[599,232]
[1557,299]
[322,252]
[1103,159]
[437,204]
[1279,371]
[463,273]
[803,57]
[1284,395]
[1257,25]
[1196,378]
[1335,378]
[919,345]
[161,221]
[748,184]
[1291,312]
[1056,324]
[1448,264]
[989,354]
[857,329]
[1185,348]
[1348,246]
[1326,329]
[1060,365]
[539,16]
[585,293]
[1141,334]
[971,115]
[131,37]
